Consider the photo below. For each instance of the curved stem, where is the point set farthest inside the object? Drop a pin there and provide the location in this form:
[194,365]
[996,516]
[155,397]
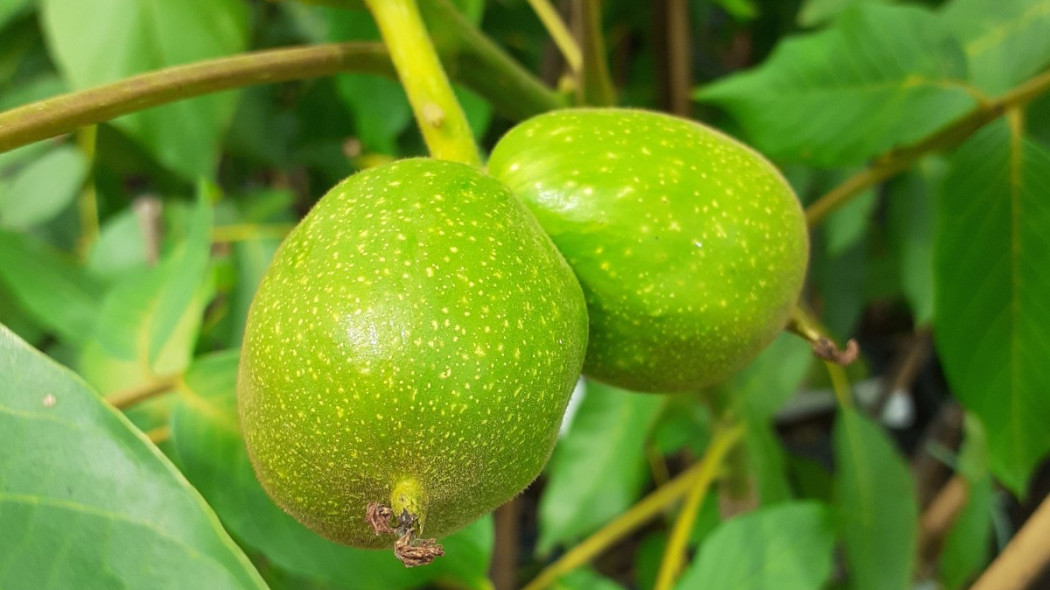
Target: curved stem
[438,113]
[896,161]
[129,397]
[674,553]
[802,324]
[559,33]
[639,514]
[64,113]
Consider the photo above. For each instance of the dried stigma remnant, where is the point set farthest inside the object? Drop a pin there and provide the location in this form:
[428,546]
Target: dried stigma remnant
[410,550]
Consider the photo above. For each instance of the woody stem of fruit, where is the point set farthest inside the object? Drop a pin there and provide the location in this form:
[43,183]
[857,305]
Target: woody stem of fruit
[648,508]
[439,115]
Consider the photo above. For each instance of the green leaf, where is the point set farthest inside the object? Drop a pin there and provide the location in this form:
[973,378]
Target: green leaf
[211,452]
[965,551]
[875,502]
[785,547]
[819,12]
[910,223]
[841,281]
[584,579]
[148,324]
[881,77]
[847,226]
[773,377]
[57,293]
[598,469]
[42,189]
[87,502]
[11,9]
[993,293]
[120,248]
[98,43]
[1005,40]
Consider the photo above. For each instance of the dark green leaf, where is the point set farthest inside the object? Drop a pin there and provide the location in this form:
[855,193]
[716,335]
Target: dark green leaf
[87,502]
[785,547]
[965,551]
[848,225]
[212,453]
[819,12]
[772,378]
[598,469]
[1005,40]
[10,9]
[882,76]
[50,286]
[910,223]
[993,293]
[96,43]
[875,502]
[42,189]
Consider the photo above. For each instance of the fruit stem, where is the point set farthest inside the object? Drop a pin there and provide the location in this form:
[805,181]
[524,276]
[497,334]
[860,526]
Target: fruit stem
[643,511]
[597,87]
[439,115]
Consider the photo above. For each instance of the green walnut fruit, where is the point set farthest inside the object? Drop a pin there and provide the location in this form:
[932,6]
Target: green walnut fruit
[690,246]
[412,346]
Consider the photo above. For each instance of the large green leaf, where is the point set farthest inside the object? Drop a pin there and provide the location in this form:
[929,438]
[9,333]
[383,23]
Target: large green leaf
[87,502]
[98,42]
[910,223]
[50,286]
[1006,41]
[993,293]
[785,547]
[882,76]
[211,451]
[42,189]
[598,468]
[875,503]
[10,9]
[967,544]
[148,323]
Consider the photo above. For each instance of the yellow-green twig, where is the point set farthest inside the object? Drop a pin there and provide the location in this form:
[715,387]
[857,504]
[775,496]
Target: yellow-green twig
[640,513]
[87,201]
[559,33]
[438,113]
[239,232]
[674,553]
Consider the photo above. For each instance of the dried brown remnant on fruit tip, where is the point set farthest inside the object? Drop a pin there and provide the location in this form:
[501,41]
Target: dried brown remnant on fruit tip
[407,548]
[379,517]
[826,349]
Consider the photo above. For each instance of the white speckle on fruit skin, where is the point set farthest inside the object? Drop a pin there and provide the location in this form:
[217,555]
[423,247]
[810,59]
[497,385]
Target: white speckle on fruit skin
[454,374]
[690,237]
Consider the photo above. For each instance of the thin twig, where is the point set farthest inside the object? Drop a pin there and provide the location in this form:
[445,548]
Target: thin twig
[1023,558]
[803,324]
[898,160]
[131,396]
[596,86]
[638,515]
[559,33]
[239,232]
[939,516]
[505,551]
[674,553]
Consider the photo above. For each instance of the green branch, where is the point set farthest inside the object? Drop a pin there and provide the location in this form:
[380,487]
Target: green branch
[596,87]
[896,161]
[65,113]
[438,113]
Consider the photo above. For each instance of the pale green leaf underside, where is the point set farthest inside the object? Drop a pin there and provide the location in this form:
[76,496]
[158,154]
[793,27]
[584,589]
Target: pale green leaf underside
[993,294]
[86,502]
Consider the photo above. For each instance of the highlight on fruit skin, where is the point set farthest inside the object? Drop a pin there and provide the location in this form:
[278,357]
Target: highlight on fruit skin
[412,348]
[691,247]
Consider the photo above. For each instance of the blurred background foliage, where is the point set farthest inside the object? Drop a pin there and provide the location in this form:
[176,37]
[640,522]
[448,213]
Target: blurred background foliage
[129,253]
